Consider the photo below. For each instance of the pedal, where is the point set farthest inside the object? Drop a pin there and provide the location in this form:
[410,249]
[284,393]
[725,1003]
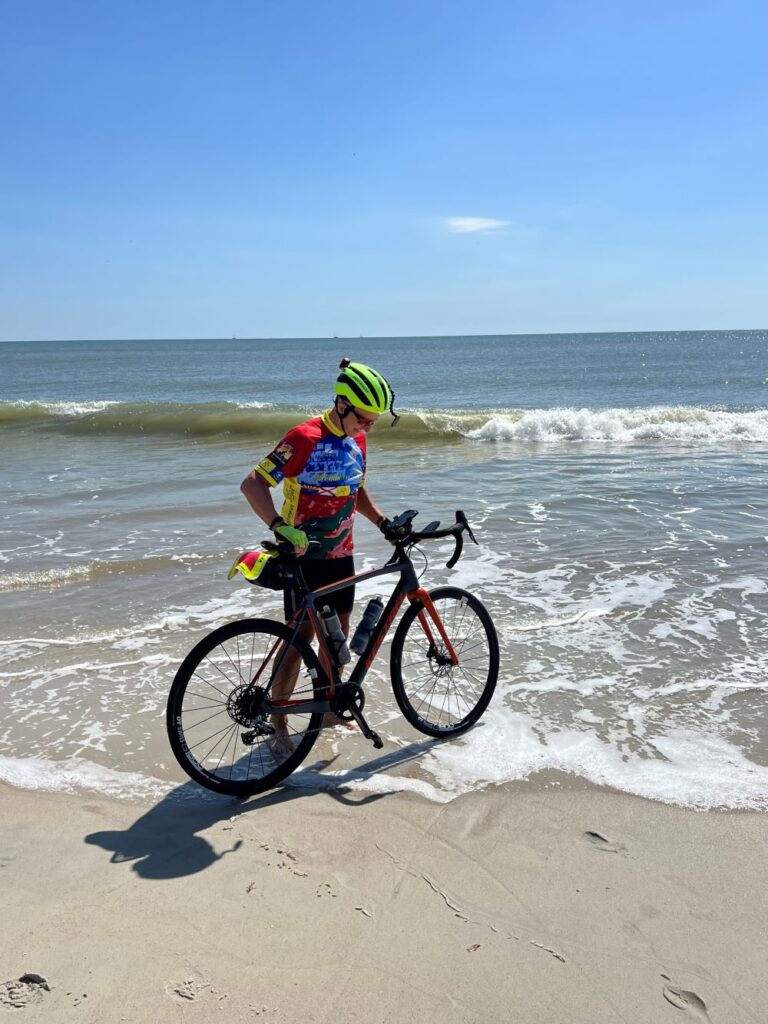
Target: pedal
[365,729]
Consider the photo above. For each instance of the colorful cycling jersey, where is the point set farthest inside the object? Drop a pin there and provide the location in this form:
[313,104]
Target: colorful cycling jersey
[322,471]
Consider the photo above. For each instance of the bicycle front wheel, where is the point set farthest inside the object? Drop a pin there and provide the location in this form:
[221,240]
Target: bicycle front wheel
[437,697]
[218,727]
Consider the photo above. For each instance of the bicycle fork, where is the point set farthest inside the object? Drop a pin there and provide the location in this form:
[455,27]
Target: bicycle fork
[430,612]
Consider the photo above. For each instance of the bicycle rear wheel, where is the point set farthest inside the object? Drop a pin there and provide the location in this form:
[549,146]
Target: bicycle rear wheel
[437,697]
[217,724]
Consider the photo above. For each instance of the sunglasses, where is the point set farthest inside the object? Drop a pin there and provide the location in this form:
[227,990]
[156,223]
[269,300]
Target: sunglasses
[366,422]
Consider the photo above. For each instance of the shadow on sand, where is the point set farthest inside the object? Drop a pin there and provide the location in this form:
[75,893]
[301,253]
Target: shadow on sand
[164,842]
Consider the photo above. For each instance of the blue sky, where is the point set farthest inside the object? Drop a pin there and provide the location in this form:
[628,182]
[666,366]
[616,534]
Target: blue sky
[257,169]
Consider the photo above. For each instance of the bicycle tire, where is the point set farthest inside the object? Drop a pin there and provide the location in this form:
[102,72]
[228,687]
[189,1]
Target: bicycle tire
[436,697]
[211,682]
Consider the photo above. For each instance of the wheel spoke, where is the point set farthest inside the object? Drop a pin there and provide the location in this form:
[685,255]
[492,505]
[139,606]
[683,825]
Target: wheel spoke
[228,731]
[212,685]
[202,721]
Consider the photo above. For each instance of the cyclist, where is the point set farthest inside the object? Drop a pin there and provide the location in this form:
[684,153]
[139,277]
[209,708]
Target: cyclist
[321,464]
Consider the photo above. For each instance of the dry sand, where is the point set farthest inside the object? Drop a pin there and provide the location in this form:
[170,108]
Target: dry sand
[516,905]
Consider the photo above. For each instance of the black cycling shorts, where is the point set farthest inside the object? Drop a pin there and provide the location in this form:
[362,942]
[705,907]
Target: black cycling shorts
[319,572]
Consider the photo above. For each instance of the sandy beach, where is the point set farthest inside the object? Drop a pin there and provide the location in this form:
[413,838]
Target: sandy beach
[557,903]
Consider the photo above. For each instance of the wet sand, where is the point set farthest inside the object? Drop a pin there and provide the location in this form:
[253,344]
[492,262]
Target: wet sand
[518,904]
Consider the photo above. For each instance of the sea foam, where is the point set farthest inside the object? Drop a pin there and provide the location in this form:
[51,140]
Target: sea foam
[683,424]
[78,775]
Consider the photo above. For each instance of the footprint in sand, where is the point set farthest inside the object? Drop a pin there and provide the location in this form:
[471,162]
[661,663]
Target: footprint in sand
[188,990]
[22,992]
[694,1005]
[601,842]
[287,861]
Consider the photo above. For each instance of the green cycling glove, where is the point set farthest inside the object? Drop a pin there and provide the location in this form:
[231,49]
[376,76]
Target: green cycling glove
[294,536]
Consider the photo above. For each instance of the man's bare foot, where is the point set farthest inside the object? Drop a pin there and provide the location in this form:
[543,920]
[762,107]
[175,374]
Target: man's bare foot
[280,743]
[330,719]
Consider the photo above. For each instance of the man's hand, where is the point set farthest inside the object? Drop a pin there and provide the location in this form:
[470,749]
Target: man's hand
[391,533]
[294,536]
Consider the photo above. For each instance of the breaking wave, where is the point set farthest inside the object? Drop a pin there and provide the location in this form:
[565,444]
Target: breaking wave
[689,425]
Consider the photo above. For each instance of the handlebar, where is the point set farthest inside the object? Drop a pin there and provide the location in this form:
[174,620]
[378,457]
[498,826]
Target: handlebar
[433,532]
[409,538]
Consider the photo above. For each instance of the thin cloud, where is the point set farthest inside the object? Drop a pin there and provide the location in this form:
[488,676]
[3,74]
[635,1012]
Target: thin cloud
[474,225]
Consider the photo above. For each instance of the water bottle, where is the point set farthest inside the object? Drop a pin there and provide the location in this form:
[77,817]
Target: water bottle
[365,627]
[332,629]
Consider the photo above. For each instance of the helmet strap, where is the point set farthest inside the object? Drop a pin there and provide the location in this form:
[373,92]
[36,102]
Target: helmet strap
[339,413]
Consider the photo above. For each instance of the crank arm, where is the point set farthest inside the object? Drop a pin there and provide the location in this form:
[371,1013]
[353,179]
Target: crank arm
[365,729]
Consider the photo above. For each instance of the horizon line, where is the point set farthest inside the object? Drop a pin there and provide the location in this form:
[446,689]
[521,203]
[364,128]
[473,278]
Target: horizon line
[387,337]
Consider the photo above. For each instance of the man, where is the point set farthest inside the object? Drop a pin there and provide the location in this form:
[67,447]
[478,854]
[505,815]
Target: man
[321,464]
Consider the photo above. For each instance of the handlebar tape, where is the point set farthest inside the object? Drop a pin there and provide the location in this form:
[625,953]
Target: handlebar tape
[456,552]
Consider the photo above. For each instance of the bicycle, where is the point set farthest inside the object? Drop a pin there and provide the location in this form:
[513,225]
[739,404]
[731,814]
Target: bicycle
[444,663]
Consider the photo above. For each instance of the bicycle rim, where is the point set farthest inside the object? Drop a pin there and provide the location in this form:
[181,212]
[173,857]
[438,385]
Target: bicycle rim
[437,697]
[218,733]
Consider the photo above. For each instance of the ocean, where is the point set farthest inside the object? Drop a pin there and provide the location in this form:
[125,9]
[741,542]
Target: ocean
[616,482]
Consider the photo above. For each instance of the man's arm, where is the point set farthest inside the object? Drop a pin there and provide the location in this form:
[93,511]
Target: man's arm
[368,508]
[257,491]
[258,494]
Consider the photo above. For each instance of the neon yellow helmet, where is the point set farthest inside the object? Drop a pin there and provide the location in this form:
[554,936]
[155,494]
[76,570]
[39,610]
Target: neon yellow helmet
[364,388]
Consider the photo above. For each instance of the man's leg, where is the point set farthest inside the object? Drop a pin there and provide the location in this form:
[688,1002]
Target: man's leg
[283,686]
